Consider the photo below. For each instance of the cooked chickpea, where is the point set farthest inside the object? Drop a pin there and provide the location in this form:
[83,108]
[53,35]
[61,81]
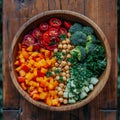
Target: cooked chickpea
[67,71]
[67,41]
[53,68]
[64,78]
[64,41]
[68,56]
[66,67]
[63,63]
[65,101]
[57,77]
[65,46]
[60,46]
[69,46]
[68,75]
[69,35]
[55,50]
[61,100]
[60,93]
[63,73]
[64,51]
[56,64]
[68,50]
[69,63]
[58,89]
[61,85]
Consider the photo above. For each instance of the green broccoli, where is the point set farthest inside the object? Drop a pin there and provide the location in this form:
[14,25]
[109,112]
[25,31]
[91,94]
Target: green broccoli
[90,47]
[91,39]
[87,30]
[79,53]
[78,38]
[75,27]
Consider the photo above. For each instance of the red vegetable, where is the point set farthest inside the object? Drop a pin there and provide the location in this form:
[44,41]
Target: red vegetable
[53,31]
[21,79]
[67,24]
[63,31]
[44,26]
[55,22]
[36,46]
[28,40]
[36,33]
[25,68]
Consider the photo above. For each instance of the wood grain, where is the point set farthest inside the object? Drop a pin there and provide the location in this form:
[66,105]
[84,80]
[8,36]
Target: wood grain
[17,12]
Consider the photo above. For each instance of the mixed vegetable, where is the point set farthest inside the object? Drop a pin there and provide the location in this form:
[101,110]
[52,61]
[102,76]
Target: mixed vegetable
[60,62]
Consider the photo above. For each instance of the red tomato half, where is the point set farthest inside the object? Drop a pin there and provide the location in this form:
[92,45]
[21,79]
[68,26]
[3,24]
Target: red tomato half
[44,26]
[28,40]
[53,31]
[55,22]
[63,31]
[36,33]
[67,24]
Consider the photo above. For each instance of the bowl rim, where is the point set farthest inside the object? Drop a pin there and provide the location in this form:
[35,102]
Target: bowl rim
[69,106]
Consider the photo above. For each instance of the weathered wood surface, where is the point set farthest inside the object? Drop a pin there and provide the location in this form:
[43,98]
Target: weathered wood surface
[17,12]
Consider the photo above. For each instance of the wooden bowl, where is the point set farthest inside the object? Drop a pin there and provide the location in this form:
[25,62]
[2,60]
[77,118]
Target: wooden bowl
[65,15]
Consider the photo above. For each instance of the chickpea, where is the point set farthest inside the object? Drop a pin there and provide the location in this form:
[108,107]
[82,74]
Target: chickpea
[53,68]
[67,41]
[60,93]
[67,71]
[64,51]
[57,77]
[64,78]
[67,50]
[61,85]
[69,35]
[64,41]
[68,56]
[58,89]
[55,50]
[63,63]
[67,75]
[69,46]
[61,100]
[65,101]
[56,64]
[60,46]
[66,67]
[63,73]
[69,63]
[65,46]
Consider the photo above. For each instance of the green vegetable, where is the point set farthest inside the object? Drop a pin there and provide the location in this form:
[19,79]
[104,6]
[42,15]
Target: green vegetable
[90,47]
[78,38]
[58,55]
[92,39]
[75,27]
[79,53]
[87,30]
[83,95]
[48,74]
[94,80]
[62,36]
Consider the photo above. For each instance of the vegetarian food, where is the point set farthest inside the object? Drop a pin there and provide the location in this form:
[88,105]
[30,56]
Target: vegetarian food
[59,62]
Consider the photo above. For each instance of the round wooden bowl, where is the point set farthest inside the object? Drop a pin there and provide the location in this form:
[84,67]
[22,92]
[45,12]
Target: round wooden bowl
[65,15]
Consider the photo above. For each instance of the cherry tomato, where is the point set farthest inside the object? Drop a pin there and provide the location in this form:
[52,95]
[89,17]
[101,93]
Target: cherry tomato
[36,33]
[55,22]
[53,31]
[44,26]
[63,31]
[28,40]
[67,24]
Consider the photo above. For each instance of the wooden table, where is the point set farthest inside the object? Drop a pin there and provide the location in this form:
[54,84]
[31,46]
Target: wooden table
[17,12]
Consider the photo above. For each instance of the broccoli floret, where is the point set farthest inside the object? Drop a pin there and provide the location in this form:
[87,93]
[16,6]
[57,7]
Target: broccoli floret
[75,27]
[93,39]
[90,47]
[78,38]
[79,53]
[87,30]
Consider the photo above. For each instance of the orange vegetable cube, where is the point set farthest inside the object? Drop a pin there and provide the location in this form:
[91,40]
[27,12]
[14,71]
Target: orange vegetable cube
[36,96]
[22,73]
[43,95]
[23,86]
[30,48]
[43,70]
